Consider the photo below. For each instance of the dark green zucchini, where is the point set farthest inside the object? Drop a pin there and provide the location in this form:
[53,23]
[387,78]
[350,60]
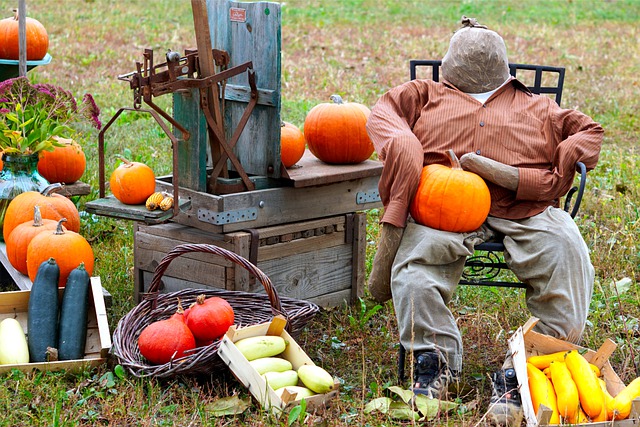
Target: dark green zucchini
[42,324]
[73,315]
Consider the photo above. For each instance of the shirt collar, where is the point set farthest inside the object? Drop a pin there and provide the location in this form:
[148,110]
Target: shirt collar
[514,82]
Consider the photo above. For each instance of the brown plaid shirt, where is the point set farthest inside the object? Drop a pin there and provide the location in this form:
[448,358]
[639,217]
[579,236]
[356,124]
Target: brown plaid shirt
[414,125]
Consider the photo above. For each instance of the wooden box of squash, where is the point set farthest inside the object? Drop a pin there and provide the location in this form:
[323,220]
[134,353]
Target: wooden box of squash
[526,343]
[248,375]
[98,342]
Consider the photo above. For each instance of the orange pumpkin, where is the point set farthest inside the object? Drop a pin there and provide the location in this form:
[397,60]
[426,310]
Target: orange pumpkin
[68,248]
[336,132]
[52,206]
[292,144]
[450,198]
[19,239]
[165,340]
[64,164]
[37,39]
[132,182]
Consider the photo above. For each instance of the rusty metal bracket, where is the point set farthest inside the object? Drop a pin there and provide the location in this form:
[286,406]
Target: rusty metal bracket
[174,146]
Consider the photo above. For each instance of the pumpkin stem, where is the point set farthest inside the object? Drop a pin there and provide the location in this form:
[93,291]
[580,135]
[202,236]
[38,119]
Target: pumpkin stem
[337,99]
[51,188]
[455,163]
[200,299]
[127,162]
[59,227]
[37,216]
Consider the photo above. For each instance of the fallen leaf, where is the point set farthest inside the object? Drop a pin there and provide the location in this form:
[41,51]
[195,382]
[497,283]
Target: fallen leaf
[227,406]
[405,395]
[429,407]
[381,404]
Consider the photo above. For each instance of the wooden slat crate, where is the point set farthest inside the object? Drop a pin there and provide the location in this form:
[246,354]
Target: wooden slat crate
[320,260]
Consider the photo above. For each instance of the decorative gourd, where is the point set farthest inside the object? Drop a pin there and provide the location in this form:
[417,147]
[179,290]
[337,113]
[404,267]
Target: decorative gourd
[620,406]
[165,340]
[42,324]
[542,392]
[132,182]
[70,249]
[73,315]
[336,132]
[64,164]
[19,239]
[566,390]
[13,343]
[292,144]
[450,198]
[52,206]
[37,39]
[589,390]
[209,318]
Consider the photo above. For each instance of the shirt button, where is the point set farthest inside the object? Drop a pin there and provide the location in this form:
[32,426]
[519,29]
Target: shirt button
[478,152]
[481,124]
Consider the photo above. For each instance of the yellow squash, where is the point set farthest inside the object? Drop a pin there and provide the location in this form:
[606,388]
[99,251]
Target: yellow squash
[542,392]
[589,390]
[566,390]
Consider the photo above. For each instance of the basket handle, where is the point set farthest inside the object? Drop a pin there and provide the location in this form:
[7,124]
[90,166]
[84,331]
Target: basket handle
[274,299]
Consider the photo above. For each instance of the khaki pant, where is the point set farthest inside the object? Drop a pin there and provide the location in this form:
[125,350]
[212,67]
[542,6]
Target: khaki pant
[545,251]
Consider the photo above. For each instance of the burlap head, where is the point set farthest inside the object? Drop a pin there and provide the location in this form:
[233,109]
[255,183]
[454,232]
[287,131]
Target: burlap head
[476,61]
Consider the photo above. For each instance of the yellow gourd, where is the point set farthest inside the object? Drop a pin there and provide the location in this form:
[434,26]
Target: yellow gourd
[543,361]
[542,392]
[620,406]
[605,415]
[566,390]
[589,390]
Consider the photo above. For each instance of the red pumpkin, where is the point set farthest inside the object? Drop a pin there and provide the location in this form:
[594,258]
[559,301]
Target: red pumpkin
[52,206]
[19,239]
[132,182]
[165,340]
[292,144]
[37,39]
[64,164]
[450,198]
[209,318]
[68,248]
[336,132]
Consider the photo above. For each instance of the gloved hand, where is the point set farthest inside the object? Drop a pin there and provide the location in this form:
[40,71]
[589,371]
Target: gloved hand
[499,173]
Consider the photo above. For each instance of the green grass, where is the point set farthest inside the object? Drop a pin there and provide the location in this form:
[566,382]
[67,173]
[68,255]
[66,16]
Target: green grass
[358,49]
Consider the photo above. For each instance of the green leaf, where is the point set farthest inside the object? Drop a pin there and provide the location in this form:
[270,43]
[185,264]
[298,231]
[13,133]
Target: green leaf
[405,395]
[429,408]
[381,404]
[232,405]
[623,285]
[120,372]
[401,411]
[294,414]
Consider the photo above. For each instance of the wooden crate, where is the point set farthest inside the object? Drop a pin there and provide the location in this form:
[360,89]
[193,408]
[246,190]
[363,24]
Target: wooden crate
[320,260]
[16,304]
[255,383]
[525,343]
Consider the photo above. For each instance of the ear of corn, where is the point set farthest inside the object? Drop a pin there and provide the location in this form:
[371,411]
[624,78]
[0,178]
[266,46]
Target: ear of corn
[166,203]
[153,201]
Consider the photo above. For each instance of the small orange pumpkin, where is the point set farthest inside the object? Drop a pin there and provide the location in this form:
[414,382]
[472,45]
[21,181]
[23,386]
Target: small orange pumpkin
[52,206]
[450,198]
[64,164]
[165,340]
[37,39]
[19,239]
[132,182]
[68,248]
[292,144]
[336,132]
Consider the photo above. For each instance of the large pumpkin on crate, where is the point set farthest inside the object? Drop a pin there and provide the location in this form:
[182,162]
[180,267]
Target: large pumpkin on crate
[64,164]
[68,248]
[336,132]
[37,39]
[52,206]
[450,198]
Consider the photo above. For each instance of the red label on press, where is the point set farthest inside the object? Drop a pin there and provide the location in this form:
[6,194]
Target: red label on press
[237,14]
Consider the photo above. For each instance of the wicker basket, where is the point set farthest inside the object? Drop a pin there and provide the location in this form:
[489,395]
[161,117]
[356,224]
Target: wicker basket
[249,309]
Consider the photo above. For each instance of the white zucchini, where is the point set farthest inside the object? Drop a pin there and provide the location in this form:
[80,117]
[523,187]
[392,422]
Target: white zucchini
[13,343]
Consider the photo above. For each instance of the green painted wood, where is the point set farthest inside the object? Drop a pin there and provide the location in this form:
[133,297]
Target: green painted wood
[192,154]
[252,32]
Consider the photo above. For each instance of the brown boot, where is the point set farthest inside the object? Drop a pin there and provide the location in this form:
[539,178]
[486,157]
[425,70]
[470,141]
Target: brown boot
[380,278]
